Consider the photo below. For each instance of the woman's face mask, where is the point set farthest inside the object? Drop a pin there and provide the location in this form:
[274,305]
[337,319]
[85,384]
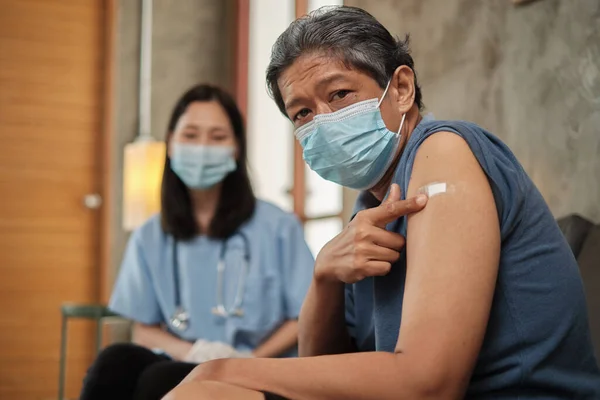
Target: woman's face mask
[200,166]
[202,147]
[352,146]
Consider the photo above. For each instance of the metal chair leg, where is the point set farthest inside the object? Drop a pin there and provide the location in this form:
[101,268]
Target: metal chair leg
[63,359]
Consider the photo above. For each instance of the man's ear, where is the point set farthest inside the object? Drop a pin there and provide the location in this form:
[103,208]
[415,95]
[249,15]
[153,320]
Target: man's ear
[402,88]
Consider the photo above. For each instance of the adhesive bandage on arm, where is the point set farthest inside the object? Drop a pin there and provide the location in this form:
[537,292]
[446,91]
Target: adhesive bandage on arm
[436,188]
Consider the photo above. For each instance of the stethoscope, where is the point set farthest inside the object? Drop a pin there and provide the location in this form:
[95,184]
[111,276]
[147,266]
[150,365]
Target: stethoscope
[181,318]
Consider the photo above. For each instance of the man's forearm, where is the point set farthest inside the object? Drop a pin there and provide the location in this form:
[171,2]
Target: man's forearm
[322,325]
[359,376]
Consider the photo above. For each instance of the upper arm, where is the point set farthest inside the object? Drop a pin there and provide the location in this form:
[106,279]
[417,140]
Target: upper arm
[297,266]
[134,295]
[453,250]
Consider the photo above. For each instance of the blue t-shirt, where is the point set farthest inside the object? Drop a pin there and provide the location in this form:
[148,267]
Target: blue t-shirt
[279,273]
[537,343]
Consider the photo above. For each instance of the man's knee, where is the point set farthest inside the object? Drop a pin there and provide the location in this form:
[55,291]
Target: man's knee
[194,391]
[209,390]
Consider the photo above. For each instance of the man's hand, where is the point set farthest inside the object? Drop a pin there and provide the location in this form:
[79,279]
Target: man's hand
[365,248]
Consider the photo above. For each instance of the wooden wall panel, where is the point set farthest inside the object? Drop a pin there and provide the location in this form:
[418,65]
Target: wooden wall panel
[51,110]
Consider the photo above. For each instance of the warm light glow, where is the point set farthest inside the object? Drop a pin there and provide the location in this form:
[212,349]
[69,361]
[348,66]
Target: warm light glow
[142,175]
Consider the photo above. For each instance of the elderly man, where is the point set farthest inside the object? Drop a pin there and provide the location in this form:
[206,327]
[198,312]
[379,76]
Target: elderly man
[485,301]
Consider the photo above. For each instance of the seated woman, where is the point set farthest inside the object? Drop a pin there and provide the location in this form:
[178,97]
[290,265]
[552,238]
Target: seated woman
[216,274]
[486,301]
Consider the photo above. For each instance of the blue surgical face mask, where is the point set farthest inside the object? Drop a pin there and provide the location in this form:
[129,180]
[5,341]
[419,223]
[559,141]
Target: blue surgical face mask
[202,167]
[351,147]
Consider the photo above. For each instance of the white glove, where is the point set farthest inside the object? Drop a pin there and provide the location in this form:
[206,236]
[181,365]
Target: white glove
[203,351]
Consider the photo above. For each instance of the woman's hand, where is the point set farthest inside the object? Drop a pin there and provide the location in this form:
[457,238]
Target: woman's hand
[364,248]
[203,351]
[155,337]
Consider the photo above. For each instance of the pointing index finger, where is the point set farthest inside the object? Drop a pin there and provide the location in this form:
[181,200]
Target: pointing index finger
[389,211]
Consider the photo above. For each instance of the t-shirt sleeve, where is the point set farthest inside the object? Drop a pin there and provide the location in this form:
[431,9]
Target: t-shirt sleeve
[134,296]
[297,266]
[349,311]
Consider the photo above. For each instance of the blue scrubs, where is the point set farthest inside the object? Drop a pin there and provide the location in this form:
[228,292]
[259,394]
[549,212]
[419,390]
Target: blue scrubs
[279,274]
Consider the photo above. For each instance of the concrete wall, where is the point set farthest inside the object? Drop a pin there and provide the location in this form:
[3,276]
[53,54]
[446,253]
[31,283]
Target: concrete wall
[530,74]
[192,43]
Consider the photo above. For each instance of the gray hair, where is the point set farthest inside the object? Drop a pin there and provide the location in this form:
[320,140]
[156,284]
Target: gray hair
[349,33]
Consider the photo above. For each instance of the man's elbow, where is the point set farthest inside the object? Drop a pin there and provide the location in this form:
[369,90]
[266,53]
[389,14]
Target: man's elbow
[432,382]
[435,390]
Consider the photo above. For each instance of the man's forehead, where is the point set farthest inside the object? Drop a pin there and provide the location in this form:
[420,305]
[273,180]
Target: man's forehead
[315,73]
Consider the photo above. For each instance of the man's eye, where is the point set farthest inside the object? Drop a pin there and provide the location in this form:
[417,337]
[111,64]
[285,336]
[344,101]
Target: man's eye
[301,114]
[340,94]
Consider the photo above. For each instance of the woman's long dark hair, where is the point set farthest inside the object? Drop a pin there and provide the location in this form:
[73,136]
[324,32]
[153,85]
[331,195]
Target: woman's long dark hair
[237,201]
